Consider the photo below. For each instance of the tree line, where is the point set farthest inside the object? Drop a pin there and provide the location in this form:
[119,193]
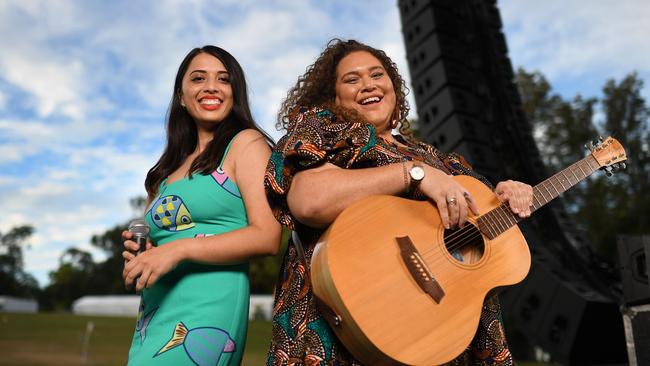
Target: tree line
[603,207]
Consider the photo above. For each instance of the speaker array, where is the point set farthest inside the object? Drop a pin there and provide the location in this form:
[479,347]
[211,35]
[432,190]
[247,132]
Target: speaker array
[467,102]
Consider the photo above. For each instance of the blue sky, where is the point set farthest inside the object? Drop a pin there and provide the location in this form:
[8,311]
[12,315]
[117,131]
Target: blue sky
[85,85]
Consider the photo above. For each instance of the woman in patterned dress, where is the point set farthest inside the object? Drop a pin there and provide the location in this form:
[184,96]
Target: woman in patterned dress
[339,148]
[208,215]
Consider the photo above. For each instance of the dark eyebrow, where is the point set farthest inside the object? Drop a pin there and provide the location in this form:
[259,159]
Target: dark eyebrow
[371,69]
[205,72]
[349,73]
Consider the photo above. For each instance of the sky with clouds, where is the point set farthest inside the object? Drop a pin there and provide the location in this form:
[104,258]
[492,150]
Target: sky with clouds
[85,85]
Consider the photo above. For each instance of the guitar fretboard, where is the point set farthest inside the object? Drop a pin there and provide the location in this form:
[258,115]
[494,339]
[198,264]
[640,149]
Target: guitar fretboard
[500,219]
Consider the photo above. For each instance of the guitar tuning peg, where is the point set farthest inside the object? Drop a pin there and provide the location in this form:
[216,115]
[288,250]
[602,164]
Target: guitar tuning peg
[608,171]
[623,165]
[596,142]
[589,146]
[601,139]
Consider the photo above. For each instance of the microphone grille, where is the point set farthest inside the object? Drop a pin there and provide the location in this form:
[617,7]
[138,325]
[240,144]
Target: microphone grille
[139,226]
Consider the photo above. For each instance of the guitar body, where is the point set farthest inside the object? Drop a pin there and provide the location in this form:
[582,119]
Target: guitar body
[386,317]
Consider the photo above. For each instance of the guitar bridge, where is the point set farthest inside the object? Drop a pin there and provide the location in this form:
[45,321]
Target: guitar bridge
[419,269]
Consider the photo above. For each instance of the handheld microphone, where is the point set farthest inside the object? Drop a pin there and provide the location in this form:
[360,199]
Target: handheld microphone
[140,231]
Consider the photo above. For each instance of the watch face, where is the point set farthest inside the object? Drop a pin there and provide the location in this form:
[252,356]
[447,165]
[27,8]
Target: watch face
[417,173]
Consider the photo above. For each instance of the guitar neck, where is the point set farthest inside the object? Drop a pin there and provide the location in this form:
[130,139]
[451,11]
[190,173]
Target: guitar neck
[502,218]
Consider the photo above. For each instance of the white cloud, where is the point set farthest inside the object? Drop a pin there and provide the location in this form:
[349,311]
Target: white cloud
[27,138]
[53,85]
[8,181]
[574,41]
[14,152]
[35,64]
[36,131]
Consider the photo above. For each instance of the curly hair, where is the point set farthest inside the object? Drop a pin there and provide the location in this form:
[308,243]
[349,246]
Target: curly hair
[317,86]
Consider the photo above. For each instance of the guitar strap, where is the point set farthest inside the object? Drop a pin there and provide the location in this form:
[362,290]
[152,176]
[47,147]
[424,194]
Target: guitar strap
[330,315]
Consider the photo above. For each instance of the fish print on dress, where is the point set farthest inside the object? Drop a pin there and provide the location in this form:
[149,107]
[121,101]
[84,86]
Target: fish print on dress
[170,213]
[226,183]
[203,345]
[144,320]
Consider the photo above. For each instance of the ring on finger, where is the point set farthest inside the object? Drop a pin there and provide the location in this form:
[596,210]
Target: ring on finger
[451,201]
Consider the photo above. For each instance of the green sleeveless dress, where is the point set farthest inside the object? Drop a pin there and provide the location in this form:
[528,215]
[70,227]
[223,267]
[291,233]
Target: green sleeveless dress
[196,314]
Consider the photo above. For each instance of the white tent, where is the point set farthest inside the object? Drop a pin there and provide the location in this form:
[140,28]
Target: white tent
[261,306]
[120,305]
[18,305]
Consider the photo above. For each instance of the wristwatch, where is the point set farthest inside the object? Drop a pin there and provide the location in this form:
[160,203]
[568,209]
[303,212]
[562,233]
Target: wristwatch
[417,175]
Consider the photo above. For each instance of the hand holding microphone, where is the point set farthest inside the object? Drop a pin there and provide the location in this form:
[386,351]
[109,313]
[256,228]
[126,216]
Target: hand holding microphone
[140,232]
[137,233]
[142,270]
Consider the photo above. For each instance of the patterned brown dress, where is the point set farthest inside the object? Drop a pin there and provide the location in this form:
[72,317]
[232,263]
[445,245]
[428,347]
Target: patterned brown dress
[301,336]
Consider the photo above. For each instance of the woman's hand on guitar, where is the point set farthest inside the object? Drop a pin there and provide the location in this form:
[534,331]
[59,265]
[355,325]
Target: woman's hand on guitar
[452,199]
[518,195]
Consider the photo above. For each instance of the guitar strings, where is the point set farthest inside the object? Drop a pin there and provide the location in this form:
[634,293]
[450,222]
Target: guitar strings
[465,235]
[459,238]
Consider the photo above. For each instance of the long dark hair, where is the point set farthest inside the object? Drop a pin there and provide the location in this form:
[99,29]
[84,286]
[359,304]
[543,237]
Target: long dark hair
[317,86]
[182,135]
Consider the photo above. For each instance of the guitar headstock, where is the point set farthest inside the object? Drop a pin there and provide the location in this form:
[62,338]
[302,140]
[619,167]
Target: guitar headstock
[609,154]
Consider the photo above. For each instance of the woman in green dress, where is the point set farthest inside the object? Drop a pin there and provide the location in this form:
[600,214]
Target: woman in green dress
[208,215]
[340,147]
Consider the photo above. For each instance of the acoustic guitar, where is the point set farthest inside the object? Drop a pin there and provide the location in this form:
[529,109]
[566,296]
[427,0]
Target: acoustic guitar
[399,289]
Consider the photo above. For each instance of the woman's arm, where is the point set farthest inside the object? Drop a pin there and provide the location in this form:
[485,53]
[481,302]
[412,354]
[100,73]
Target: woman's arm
[260,237]
[319,194]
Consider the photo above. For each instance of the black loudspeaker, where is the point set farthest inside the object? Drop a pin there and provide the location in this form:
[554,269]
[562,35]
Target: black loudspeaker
[467,102]
[575,325]
[637,334]
[633,254]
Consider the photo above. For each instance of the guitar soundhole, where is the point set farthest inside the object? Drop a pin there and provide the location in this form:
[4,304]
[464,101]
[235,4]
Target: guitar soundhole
[465,244]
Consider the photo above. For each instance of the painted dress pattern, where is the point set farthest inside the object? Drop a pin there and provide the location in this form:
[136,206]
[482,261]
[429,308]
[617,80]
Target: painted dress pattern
[203,345]
[143,320]
[203,307]
[170,213]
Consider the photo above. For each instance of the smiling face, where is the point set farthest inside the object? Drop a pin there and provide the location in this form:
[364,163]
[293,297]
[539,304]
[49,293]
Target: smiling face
[362,84]
[206,92]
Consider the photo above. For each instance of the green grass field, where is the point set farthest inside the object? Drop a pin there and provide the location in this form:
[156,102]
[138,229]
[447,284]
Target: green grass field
[56,339]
